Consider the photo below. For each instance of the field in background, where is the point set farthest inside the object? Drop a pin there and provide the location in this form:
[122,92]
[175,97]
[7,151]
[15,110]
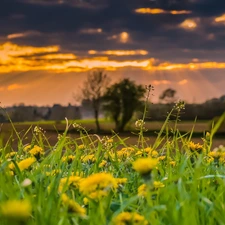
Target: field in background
[53,128]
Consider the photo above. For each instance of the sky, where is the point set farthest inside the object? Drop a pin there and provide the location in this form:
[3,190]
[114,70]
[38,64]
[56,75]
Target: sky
[49,47]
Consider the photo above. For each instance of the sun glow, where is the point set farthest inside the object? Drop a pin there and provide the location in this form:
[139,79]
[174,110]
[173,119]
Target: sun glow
[119,52]
[188,24]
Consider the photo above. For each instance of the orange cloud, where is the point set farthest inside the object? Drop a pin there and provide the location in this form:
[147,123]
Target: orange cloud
[91,31]
[119,52]
[160,11]
[123,37]
[14,58]
[159,82]
[189,24]
[220,19]
[14,86]
[182,82]
[24,34]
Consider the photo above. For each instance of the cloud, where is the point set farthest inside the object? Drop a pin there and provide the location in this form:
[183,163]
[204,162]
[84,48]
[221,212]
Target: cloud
[119,52]
[220,19]
[160,82]
[50,58]
[24,34]
[189,24]
[14,87]
[160,11]
[91,31]
[123,37]
[182,82]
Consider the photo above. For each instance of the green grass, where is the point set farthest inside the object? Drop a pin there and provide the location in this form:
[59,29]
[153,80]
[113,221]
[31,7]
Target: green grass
[58,187]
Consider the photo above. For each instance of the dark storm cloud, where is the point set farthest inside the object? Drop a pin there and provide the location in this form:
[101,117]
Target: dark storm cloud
[61,23]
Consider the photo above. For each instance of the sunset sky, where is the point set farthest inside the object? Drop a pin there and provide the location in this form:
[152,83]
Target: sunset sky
[48,47]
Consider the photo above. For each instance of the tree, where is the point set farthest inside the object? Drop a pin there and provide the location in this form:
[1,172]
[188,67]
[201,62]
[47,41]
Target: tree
[122,100]
[168,95]
[93,90]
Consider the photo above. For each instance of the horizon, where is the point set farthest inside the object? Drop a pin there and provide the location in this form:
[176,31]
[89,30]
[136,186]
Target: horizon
[48,48]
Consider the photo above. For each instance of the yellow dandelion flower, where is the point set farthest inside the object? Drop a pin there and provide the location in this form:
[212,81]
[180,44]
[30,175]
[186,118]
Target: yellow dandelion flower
[98,185]
[53,172]
[27,147]
[148,149]
[110,140]
[72,181]
[24,164]
[214,154]
[102,164]
[73,206]
[10,155]
[121,181]
[81,147]
[145,165]
[158,184]
[161,158]
[154,154]
[36,151]
[195,147]
[88,158]
[142,190]
[16,209]
[172,163]
[69,158]
[131,218]
[210,160]
[85,201]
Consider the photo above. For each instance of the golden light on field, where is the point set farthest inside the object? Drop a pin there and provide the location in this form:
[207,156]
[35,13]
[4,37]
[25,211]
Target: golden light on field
[188,24]
[119,52]
[160,11]
[220,19]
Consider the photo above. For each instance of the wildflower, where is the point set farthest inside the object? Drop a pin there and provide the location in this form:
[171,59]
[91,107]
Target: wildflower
[195,147]
[88,158]
[158,184]
[69,159]
[98,185]
[102,164]
[214,154]
[26,148]
[131,218]
[145,165]
[172,163]
[139,124]
[36,151]
[70,181]
[16,209]
[53,172]
[81,147]
[86,201]
[161,158]
[10,155]
[73,206]
[24,164]
[142,190]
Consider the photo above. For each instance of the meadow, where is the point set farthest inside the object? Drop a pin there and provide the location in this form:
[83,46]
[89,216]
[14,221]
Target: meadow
[86,178]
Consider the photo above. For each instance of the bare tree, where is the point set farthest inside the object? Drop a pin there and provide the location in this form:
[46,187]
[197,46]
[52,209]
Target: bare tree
[168,96]
[93,89]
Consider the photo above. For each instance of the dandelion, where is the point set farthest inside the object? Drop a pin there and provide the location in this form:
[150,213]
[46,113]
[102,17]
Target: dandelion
[16,209]
[195,147]
[73,207]
[98,185]
[158,184]
[172,163]
[131,218]
[142,190]
[88,158]
[145,165]
[36,151]
[102,164]
[69,158]
[10,155]
[24,164]
[72,181]
[81,147]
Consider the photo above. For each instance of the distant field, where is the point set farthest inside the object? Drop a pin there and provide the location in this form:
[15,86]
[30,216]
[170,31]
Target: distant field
[52,128]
